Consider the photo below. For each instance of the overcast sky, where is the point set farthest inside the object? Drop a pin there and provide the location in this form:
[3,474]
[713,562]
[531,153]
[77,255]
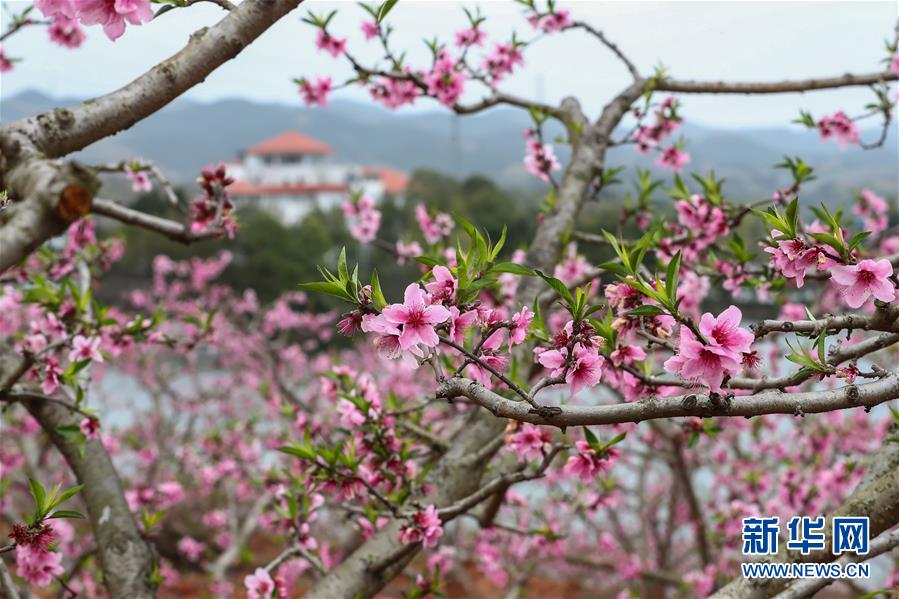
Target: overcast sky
[720,40]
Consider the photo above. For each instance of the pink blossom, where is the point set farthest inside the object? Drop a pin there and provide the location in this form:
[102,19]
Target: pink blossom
[540,159]
[416,317]
[894,63]
[445,81]
[5,63]
[333,46]
[551,22]
[873,210]
[316,93]
[587,463]
[84,348]
[259,584]
[90,428]
[350,416]
[473,36]
[529,442]
[627,354]
[365,219]
[673,158]
[407,251]
[460,322]
[113,14]
[140,180]
[840,128]
[191,548]
[502,60]
[38,566]
[55,8]
[52,374]
[708,363]
[66,32]
[394,93]
[425,527]
[521,324]
[369,29]
[792,257]
[443,288]
[725,330]
[585,370]
[489,355]
[436,228]
[858,282]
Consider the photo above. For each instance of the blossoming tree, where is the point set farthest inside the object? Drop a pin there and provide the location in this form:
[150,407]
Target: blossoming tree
[490,417]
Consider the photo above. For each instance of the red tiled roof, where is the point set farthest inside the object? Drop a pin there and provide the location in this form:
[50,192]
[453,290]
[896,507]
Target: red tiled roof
[244,188]
[393,180]
[290,142]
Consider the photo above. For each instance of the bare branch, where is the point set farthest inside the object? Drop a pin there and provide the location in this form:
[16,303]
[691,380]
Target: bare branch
[173,230]
[774,87]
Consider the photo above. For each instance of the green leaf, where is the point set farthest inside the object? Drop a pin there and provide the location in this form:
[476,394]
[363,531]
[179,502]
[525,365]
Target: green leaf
[66,514]
[591,438]
[65,496]
[39,494]
[378,298]
[513,268]
[671,277]
[646,310]
[299,451]
[559,287]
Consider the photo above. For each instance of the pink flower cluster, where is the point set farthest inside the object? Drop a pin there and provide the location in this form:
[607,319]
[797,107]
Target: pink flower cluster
[502,60]
[433,228]
[315,93]
[581,368]
[551,22]
[213,206]
[406,330]
[260,585]
[673,158]
[860,281]
[394,93]
[425,526]
[364,217]
[540,159]
[113,15]
[839,128]
[666,121]
[333,46]
[588,463]
[473,36]
[792,257]
[720,353]
[38,566]
[873,210]
[445,81]
[529,442]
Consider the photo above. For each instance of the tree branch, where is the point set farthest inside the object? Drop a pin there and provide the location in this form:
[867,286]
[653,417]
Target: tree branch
[774,87]
[766,402]
[64,130]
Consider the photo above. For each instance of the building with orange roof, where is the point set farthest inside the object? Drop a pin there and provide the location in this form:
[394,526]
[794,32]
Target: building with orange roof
[291,174]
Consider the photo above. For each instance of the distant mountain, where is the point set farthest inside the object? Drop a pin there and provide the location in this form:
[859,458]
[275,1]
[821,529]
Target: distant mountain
[188,134]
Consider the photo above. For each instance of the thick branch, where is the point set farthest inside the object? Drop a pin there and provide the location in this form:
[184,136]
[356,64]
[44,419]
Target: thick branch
[125,556]
[64,130]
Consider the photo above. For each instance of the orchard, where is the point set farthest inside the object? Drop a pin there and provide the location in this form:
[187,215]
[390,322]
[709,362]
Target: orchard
[511,421]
